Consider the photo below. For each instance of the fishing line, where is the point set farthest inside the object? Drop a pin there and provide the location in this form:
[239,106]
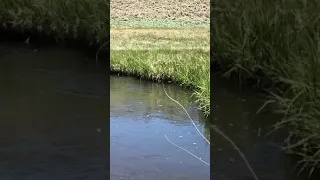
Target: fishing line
[216,129]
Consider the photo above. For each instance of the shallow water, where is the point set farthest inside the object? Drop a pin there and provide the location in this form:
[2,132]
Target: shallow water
[141,116]
[53,115]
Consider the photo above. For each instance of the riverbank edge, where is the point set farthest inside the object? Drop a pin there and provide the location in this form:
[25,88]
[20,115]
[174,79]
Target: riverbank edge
[37,39]
[164,78]
[264,86]
[302,142]
[164,81]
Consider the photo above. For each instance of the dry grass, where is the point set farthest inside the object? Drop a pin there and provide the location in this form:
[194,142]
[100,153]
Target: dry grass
[193,11]
[155,39]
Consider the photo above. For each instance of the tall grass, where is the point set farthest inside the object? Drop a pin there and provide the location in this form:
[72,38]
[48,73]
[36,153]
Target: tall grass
[277,44]
[77,19]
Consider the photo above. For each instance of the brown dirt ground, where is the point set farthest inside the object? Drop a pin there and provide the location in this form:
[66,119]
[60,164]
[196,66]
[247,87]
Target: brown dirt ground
[182,10]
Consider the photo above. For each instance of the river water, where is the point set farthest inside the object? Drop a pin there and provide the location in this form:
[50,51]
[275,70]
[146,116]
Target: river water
[54,122]
[53,115]
[143,122]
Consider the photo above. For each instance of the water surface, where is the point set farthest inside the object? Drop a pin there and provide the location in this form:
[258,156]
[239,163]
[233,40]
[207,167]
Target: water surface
[140,118]
[53,114]
[54,124]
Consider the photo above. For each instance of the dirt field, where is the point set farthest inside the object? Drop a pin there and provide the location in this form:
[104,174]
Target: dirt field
[188,11]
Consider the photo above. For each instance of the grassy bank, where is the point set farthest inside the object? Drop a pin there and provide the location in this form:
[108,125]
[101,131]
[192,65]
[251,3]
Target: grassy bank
[277,44]
[180,55]
[160,40]
[86,20]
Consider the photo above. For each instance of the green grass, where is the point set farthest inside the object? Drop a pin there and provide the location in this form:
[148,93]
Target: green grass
[85,19]
[185,67]
[276,43]
[181,55]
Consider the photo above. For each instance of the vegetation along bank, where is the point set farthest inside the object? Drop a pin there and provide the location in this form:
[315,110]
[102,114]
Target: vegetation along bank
[84,20]
[276,44]
[165,41]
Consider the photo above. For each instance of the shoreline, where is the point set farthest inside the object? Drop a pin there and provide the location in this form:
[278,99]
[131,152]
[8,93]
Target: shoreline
[160,71]
[76,23]
[165,55]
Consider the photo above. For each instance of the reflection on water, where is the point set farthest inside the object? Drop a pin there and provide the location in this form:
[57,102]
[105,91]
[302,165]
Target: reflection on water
[51,104]
[141,116]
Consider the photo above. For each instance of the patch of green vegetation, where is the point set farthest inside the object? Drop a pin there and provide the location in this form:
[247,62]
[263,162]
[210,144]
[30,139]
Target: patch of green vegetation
[190,68]
[84,19]
[157,23]
[277,42]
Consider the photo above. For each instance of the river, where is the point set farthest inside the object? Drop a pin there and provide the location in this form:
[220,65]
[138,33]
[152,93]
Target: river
[53,115]
[143,121]
[54,112]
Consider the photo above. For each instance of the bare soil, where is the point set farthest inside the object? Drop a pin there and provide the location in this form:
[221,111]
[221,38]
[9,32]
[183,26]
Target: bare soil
[195,11]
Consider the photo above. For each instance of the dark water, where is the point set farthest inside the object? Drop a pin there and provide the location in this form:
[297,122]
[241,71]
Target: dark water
[54,124]
[141,116]
[234,112]
[53,115]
